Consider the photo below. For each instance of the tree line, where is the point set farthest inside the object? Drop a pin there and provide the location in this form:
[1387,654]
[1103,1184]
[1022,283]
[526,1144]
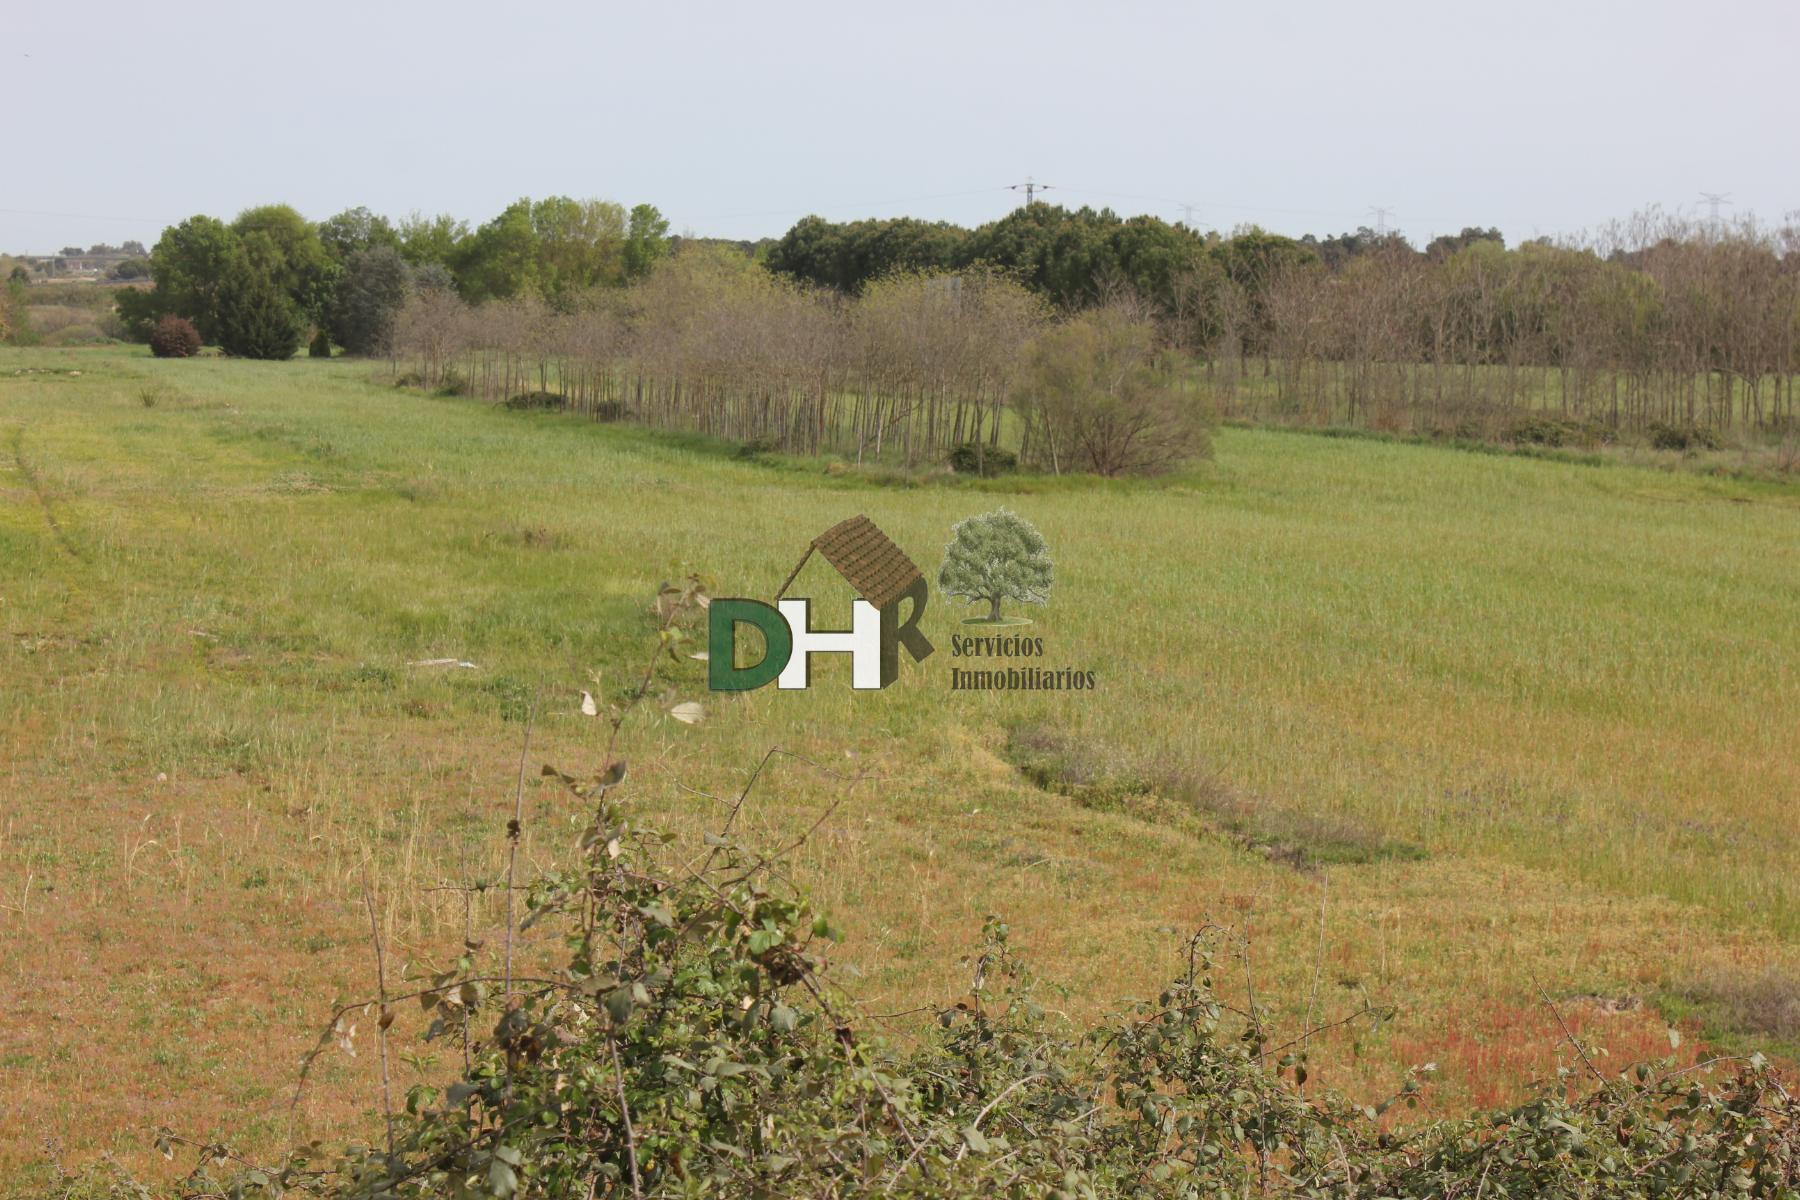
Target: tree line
[1656,319]
[1074,338]
[915,368]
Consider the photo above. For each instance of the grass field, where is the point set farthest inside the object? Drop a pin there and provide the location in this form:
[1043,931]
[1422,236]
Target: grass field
[1436,729]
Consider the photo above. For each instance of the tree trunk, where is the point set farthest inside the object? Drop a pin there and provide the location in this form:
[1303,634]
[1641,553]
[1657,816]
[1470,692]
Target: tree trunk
[993,608]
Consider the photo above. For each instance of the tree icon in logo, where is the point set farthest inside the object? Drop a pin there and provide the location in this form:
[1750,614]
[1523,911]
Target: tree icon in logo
[993,557]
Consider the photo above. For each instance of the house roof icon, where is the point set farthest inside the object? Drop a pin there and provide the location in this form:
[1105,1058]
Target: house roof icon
[867,558]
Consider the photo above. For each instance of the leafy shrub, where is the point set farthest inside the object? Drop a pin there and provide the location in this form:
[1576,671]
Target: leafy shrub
[320,346]
[972,458]
[1684,437]
[174,337]
[535,401]
[453,383]
[1543,429]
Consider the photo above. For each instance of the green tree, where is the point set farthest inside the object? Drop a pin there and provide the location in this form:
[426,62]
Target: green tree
[500,259]
[996,556]
[425,239]
[356,229]
[15,328]
[285,246]
[190,263]
[257,316]
[580,244]
[646,240]
[369,298]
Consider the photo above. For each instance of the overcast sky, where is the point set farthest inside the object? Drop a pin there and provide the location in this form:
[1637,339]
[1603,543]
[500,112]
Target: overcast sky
[1540,116]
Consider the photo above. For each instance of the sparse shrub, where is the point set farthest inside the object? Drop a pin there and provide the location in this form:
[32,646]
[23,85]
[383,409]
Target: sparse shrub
[1095,397]
[453,383]
[535,401]
[174,337]
[974,458]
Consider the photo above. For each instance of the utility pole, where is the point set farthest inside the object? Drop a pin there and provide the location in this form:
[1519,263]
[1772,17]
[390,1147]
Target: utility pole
[1713,201]
[1187,214]
[1381,216]
[1031,188]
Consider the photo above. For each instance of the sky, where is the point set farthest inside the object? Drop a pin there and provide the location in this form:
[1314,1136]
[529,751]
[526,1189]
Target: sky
[1543,117]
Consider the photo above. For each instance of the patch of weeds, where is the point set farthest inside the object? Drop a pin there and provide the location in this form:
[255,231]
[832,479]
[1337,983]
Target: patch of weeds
[1094,774]
[1086,770]
[257,879]
[317,943]
[295,483]
[530,537]
[1300,839]
[372,675]
[417,491]
[152,395]
[512,694]
[1739,1013]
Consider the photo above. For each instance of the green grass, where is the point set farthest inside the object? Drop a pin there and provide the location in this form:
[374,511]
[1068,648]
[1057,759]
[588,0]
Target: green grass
[1528,718]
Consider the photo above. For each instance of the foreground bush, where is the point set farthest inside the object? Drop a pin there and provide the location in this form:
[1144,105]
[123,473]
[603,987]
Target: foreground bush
[174,337]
